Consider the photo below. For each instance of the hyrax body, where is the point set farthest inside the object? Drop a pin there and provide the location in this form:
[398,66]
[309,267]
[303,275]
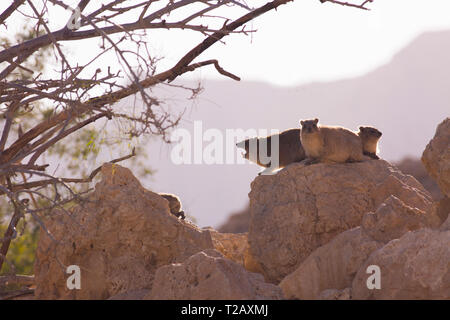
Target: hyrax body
[369,138]
[330,144]
[290,148]
[174,204]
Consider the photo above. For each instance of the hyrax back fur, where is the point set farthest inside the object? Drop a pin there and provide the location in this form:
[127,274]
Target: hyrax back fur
[369,138]
[330,144]
[174,204]
[290,148]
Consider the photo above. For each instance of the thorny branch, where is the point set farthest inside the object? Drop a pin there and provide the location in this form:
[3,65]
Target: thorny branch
[362,5]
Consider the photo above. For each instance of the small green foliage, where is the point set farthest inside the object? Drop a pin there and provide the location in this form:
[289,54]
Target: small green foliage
[22,250]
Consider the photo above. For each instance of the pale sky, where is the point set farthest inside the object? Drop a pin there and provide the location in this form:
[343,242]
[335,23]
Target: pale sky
[301,42]
[308,41]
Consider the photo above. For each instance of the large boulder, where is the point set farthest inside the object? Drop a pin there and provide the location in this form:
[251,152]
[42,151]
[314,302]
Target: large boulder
[415,167]
[208,275]
[394,218]
[118,237]
[416,266]
[334,265]
[436,156]
[234,246]
[330,267]
[303,207]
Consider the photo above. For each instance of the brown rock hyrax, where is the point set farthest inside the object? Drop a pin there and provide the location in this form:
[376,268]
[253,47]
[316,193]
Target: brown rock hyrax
[369,137]
[290,149]
[330,144]
[174,205]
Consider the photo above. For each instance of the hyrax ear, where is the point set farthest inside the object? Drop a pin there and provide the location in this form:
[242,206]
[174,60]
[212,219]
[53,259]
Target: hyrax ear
[302,122]
[361,128]
[316,121]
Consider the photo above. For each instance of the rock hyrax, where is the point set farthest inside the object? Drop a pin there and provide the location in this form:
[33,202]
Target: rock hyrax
[369,137]
[174,205]
[330,144]
[290,148]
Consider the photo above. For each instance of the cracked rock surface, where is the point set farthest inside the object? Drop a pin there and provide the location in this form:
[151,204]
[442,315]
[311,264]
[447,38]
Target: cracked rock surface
[304,207]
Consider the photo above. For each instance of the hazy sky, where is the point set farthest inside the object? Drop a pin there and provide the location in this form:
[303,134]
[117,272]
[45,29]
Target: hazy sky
[301,42]
[309,41]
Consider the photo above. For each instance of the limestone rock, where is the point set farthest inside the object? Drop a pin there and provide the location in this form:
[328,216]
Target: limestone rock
[415,167]
[446,224]
[394,218]
[233,246]
[332,266]
[131,295]
[334,294]
[416,266]
[436,156]
[441,209]
[303,207]
[118,237]
[335,264]
[208,275]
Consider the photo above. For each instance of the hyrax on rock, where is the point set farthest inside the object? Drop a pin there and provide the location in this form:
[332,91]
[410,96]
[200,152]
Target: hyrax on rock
[174,205]
[330,144]
[369,138]
[290,149]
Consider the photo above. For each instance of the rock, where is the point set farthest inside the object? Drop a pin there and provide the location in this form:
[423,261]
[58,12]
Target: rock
[436,157]
[441,208]
[118,237]
[332,266]
[446,225]
[416,266]
[409,190]
[131,295]
[303,207]
[235,247]
[232,246]
[207,275]
[415,167]
[394,218]
[334,294]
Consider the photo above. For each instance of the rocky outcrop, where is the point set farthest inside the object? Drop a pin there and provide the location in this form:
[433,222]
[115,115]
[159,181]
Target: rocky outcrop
[235,247]
[232,246]
[436,157]
[394,218]
[416,266]
[334,294]
[118,237]
[334,265]
[316,230]
[208,275]
[415,167]
[446,224]
[131,295]
[302,208]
